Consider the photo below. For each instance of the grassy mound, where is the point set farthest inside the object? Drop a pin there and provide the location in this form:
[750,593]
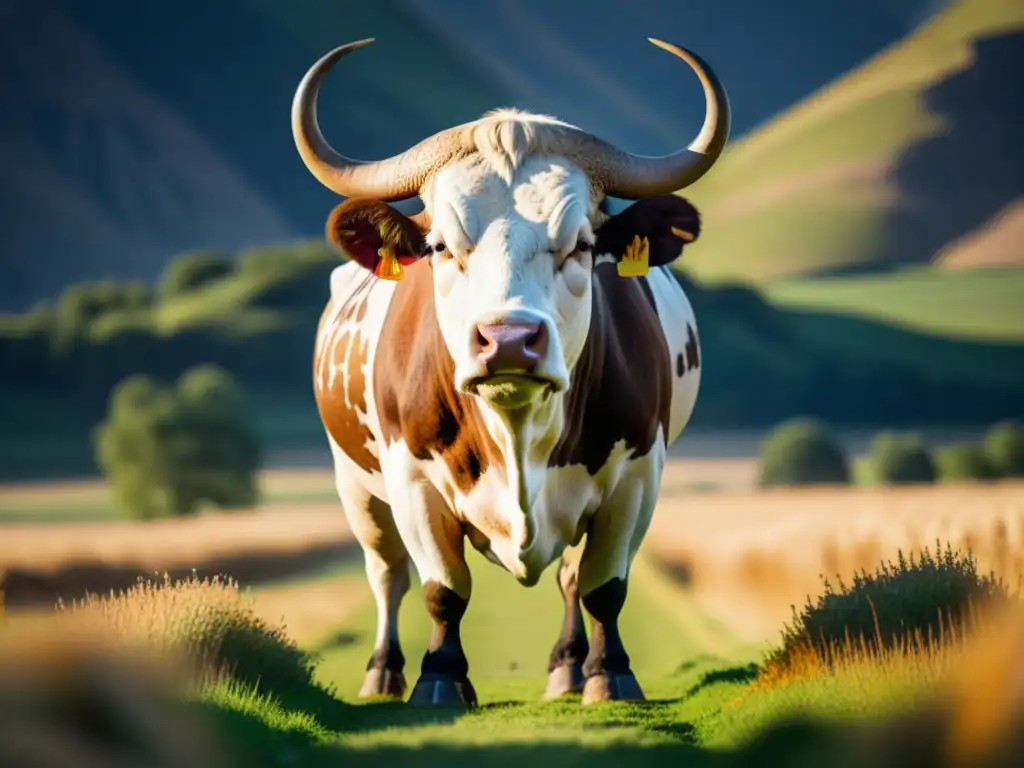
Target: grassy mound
[913,605]
[207,623]
[78,698]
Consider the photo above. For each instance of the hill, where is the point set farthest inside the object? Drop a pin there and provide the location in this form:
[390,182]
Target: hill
[760,363]
[884,167]
[140,131]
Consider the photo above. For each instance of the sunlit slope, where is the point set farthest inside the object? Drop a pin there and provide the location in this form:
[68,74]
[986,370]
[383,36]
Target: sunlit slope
[885,166]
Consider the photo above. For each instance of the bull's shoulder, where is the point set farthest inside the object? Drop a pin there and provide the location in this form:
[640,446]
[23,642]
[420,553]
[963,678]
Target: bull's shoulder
[621,387]
[414,389]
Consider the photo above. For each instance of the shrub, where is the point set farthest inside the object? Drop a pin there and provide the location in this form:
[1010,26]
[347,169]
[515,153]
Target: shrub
[802,452]
[205,622]
[922,601]
[167,451]
[900,458]
[965,461]
[1004,448]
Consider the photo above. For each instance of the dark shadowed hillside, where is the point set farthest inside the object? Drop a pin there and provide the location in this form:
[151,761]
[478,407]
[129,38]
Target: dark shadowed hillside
[960,178]
[143,129]
[100,175]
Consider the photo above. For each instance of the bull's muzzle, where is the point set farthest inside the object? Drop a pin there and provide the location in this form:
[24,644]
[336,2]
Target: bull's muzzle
[511,359]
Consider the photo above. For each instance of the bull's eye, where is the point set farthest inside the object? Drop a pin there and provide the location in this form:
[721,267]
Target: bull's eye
[583,246]
[440,248]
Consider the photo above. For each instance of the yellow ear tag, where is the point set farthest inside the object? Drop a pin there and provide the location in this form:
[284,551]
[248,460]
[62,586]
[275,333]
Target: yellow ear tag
[634,260]
[390,268]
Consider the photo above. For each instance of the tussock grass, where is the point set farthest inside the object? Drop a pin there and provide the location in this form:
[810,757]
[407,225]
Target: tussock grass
[84,697]
[207,624]
[917,612]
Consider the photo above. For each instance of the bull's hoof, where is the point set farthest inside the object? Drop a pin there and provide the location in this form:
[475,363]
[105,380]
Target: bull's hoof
[564,680]
[613,687]
[438,691]
[383,682]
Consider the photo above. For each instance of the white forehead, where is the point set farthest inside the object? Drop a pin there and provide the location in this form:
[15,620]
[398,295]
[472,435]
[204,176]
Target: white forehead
[508,182]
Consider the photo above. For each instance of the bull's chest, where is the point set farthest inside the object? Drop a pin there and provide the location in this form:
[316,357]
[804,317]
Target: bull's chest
[526,538]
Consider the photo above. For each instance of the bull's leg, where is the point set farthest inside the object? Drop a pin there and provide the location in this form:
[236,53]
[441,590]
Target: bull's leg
[387,571]
[435,541]
[612,540]
[565,665]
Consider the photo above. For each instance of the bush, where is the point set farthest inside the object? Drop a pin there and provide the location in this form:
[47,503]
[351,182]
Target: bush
[966,461]
[802,452]
[190,271]
[1004,448]
[921,601]
[900,458]
[168,451]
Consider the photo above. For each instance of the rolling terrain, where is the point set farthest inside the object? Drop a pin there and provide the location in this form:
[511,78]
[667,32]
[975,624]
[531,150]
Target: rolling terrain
[149,131]
[893,164]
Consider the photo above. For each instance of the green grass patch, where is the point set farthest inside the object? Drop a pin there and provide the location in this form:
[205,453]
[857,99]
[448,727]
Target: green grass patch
[981,304]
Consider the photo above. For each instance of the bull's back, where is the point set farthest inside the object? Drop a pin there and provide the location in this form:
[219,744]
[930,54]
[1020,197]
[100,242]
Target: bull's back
[343,364]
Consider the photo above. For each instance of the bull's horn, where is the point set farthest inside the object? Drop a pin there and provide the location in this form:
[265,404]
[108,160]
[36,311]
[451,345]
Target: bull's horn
[632,177]
[395,178]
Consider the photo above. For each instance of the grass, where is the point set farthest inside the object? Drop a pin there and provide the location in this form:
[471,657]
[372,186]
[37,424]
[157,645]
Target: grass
[812,189]
[691,643]
[749,556]
[90,500]
[701,703]
[980,305]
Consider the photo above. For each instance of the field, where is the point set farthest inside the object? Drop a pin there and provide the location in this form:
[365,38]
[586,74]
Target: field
[709,593]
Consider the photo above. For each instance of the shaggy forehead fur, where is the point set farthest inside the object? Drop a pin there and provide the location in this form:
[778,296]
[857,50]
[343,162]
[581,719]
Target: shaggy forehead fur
[505,138]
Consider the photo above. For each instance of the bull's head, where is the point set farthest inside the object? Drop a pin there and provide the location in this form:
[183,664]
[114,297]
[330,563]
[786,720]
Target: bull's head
[513,225]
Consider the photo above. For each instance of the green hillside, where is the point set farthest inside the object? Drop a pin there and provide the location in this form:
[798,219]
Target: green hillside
[978,304]
[886,166]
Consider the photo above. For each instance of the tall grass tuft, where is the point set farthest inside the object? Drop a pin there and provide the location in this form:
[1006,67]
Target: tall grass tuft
[913,611]
[209,624]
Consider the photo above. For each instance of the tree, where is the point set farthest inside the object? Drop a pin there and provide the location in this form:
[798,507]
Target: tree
[901,458]
[802,452]
[1004,448]
[167,451]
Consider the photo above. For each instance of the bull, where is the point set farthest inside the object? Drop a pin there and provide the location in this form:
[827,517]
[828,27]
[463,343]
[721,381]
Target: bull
[512,387]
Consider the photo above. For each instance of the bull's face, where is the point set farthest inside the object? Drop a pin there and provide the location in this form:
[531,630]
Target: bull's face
[512,255]
[511,226]
[511,259]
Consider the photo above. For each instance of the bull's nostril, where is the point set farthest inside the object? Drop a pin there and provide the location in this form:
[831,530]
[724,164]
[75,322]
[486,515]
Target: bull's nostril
[534,340]
[482,341]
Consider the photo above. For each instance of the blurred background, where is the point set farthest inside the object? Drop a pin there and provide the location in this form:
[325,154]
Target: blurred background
[859,282]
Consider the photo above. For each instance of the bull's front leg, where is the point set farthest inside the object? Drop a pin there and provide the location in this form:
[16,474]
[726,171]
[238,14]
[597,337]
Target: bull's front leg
[614,535]
[565,665]
[435,543]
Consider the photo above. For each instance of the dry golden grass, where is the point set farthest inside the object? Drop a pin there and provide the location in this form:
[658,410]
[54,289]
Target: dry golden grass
[310,610]
[751,555]
[161,544]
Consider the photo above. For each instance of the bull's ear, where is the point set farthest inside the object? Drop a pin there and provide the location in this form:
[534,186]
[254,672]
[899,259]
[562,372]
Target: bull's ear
[664,224]
[376,236]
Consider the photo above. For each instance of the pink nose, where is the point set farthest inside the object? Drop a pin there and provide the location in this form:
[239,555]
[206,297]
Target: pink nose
[511,347]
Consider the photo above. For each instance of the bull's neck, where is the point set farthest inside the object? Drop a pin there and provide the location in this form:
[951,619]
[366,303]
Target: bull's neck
[526,437]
